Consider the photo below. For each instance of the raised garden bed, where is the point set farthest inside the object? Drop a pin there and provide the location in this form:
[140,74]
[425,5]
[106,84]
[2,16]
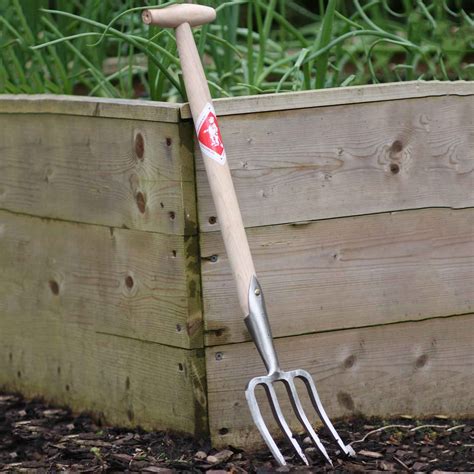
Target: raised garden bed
[116,296]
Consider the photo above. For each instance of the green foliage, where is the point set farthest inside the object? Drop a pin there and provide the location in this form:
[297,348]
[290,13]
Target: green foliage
[101,47]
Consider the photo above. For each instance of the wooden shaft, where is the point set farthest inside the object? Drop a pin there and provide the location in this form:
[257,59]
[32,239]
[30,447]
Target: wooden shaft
[220,180]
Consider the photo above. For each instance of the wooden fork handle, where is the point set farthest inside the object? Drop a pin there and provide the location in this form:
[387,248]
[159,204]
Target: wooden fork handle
[215,160]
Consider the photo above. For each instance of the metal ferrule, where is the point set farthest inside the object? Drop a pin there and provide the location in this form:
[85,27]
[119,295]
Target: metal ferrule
[259,327]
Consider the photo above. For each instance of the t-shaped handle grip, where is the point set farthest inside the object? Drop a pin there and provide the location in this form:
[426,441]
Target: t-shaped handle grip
[175,15]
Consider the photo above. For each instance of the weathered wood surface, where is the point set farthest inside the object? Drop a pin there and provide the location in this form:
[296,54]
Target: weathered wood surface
[347,272]
[89,106]
[134,284]
[125,382]
[344,160]
[98,171]
[416,368]
[337,96]
[172,112]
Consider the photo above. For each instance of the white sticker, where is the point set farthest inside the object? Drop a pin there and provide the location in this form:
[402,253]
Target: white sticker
[209,135]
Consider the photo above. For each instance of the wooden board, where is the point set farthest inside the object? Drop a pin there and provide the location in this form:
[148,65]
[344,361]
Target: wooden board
[89,106]
[343,160]
[173,112]
[337,96]
[416,368]
[98,170]
[347,272]
[122,381]
[134,284]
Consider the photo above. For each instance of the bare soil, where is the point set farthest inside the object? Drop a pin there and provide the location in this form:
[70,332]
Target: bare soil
[36,437]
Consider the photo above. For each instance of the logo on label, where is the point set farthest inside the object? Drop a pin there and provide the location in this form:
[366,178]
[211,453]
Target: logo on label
[209,135]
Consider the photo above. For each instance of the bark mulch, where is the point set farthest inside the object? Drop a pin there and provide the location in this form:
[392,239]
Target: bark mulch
[35,437]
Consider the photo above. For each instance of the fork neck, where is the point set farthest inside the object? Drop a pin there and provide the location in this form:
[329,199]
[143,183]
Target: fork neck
[259,328]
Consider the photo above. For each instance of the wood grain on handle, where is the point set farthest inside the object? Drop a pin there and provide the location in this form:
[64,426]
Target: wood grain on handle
[175,15]
[220,180]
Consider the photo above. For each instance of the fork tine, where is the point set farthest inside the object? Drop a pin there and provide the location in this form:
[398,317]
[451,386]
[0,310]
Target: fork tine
[260,423]
[301,415]
[318,406]
[278,414]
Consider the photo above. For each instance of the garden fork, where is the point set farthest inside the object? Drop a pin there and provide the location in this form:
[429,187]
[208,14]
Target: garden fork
[182,17]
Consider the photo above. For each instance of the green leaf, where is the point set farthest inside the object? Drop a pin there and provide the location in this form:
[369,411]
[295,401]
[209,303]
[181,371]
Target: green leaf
[323,39]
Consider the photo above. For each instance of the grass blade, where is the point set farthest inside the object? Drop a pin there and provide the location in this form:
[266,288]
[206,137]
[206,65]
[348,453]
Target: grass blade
[323,39]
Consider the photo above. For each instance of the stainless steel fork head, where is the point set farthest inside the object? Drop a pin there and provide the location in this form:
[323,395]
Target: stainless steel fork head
[259,328]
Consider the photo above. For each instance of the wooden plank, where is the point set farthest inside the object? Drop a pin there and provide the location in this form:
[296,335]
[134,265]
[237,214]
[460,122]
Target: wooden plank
[134,284]
[173,112]
[347,272]
[337,96]
[344,160]
[89,107]
[416,368]
[98,171]
[122,381]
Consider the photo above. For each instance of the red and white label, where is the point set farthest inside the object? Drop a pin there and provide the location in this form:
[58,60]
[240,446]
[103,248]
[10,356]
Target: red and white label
[209,135]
